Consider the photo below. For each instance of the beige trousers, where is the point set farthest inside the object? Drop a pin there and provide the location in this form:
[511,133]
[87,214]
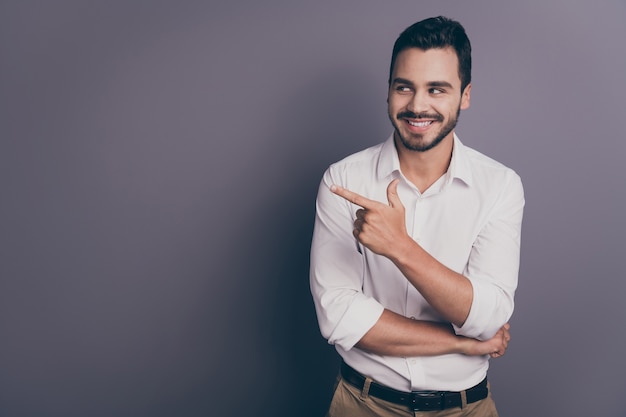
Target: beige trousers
[348,401]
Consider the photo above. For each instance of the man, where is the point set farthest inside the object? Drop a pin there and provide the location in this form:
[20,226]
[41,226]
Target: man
[415,251]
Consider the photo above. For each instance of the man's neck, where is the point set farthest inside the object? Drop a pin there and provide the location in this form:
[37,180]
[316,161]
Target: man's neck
[424,168]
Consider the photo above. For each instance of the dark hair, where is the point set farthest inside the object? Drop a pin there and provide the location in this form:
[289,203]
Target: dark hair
[434,33]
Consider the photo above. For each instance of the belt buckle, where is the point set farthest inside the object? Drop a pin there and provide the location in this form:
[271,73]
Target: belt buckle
[427,400]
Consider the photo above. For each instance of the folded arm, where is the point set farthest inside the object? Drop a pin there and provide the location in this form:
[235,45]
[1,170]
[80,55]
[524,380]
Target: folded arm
[348,317]
[483,296]
[396,335]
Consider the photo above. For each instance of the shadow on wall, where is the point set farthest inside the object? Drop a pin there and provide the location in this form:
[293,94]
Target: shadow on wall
[282,362]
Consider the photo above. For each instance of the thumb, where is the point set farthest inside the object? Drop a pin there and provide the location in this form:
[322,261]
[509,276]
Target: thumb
[392,194]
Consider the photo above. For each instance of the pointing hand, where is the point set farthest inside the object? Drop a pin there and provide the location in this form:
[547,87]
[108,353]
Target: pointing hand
[378,226]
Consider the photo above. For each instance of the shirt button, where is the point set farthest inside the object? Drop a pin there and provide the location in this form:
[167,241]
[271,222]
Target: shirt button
[413,361]
[412,317]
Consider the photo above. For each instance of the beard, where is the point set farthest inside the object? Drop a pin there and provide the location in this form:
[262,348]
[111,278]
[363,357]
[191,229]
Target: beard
[415,141]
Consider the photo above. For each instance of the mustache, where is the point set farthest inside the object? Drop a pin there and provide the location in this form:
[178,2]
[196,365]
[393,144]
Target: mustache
[410,115]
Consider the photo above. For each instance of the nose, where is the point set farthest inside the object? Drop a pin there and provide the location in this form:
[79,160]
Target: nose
[419,103]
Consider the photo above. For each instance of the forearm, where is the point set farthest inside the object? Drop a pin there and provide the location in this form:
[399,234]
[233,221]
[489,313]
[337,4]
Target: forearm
[447,291]
[396,335]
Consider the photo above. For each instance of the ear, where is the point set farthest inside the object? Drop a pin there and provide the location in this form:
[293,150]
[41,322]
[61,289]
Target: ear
[465,97]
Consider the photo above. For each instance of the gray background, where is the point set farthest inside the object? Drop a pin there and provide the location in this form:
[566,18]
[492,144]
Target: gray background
[159,162]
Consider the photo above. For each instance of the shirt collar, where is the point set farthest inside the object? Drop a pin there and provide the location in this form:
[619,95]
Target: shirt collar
[459,164]
[389,162]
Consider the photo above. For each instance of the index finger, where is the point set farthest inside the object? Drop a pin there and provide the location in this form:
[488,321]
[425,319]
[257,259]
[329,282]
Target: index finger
[352,197]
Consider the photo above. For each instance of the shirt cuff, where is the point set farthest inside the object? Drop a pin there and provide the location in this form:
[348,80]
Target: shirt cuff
[359,318]
[481,312]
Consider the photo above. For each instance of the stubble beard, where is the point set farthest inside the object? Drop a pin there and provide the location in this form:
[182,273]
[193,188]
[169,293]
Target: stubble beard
[417,144]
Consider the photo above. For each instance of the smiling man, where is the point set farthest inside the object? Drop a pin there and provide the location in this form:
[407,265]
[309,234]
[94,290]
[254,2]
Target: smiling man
[415,252]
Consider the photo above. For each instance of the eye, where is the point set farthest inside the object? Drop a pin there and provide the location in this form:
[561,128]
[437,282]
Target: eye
[403,89]
[436,91]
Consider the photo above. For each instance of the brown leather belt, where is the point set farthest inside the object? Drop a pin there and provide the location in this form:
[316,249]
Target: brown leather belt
[416,400]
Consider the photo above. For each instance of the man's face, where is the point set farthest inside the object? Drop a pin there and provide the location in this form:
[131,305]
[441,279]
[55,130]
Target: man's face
[425,97]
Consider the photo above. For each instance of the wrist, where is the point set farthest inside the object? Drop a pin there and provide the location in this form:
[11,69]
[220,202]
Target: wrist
[404,250]
[464,345]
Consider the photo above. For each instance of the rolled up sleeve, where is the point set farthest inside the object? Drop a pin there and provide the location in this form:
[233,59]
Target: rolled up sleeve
[493,266]
[344,313]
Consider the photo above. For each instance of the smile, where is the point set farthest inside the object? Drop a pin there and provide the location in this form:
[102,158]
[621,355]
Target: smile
[420,124]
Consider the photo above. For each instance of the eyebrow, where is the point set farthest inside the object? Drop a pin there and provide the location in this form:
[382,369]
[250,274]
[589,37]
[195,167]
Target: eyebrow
[429,84]
[440,84]
[401,81]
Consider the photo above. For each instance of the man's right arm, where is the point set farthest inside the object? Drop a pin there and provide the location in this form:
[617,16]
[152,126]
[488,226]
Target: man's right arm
[396,335]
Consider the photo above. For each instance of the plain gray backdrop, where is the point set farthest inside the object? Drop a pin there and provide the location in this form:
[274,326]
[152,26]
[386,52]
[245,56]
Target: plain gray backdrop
[159,162]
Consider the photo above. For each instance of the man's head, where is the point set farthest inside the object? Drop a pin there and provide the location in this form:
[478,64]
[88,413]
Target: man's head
[429,83]
[437,33]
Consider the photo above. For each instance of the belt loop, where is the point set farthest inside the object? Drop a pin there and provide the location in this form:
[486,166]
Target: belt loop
[463,399]
[366,388]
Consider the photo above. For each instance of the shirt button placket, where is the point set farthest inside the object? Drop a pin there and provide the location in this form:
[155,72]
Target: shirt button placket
[416,231]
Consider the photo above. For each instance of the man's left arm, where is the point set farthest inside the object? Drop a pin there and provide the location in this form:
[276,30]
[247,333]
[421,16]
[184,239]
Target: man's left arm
[494,261]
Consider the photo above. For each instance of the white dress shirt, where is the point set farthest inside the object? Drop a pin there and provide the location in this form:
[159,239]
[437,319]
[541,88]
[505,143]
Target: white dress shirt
[469,220]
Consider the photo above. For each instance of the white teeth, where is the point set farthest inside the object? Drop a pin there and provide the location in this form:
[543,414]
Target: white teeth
[419,124]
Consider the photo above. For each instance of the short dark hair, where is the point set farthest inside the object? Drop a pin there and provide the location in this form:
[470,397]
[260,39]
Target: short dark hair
[434,33]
